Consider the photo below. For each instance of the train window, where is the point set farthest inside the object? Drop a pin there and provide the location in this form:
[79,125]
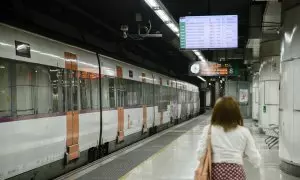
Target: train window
[36,91]
[57,79]
[85,90]
[71,88]
[105,92]
[133,93]
[42,90]
[181,100]
[182,96]
[28,89]
[163,101]
[111,84]
[149,94]
[120,92]
[186,96]
[95,91]
[151,100]
[144,93]
[174,94]
[25,82]
[179,96]
[129,93]
[75,91]
[5,89]
[67,89]
[193,97]
[108,92]
[136,93]
[157,94]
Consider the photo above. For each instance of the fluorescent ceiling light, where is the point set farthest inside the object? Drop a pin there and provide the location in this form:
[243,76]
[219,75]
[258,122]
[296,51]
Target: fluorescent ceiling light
[198,54]
[162,15]
[158,8]
[173,27]
[152,3]
[201,78]
[201,58]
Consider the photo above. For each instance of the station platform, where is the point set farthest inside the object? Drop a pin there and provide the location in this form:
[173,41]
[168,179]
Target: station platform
[171,154]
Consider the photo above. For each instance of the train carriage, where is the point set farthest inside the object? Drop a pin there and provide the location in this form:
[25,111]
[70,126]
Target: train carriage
[63,106]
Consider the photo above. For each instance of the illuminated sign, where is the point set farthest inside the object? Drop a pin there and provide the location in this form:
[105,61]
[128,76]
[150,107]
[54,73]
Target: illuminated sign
[213,69]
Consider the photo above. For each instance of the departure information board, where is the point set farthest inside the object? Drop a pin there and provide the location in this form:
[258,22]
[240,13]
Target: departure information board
[209,32]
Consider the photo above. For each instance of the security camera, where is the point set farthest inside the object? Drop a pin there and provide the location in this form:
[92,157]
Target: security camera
[124,29]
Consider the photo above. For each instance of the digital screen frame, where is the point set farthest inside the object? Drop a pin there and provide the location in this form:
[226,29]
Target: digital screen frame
[208,32]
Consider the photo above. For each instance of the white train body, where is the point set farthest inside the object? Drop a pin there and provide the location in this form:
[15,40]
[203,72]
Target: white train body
[51,102]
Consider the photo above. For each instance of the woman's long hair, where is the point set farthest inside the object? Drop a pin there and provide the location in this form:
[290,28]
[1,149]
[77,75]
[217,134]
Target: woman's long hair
[227,114]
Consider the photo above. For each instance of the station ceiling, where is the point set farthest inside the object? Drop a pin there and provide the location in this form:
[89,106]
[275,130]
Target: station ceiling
[95,25]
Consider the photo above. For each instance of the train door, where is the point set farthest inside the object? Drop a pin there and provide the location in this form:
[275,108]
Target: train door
[120,100]
[72,106]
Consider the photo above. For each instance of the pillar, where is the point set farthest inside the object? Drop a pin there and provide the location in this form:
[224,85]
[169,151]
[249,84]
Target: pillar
[289,114]
[255,96]
[268,86]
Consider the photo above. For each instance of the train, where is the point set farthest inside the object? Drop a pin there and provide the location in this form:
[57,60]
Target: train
[62,106]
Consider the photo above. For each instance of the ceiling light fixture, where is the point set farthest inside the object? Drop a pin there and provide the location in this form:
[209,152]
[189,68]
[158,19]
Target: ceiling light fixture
[199,55]
[163,14]
[152,3]
[201,78]
[173,27]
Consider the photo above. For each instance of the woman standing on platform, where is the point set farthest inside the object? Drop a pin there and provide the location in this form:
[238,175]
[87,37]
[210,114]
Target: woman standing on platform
[229,142]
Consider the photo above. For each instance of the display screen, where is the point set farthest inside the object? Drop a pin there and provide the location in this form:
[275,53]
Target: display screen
[209,32]
[205,68]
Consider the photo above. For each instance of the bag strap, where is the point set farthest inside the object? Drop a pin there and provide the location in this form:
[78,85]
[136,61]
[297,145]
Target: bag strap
[209,149]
